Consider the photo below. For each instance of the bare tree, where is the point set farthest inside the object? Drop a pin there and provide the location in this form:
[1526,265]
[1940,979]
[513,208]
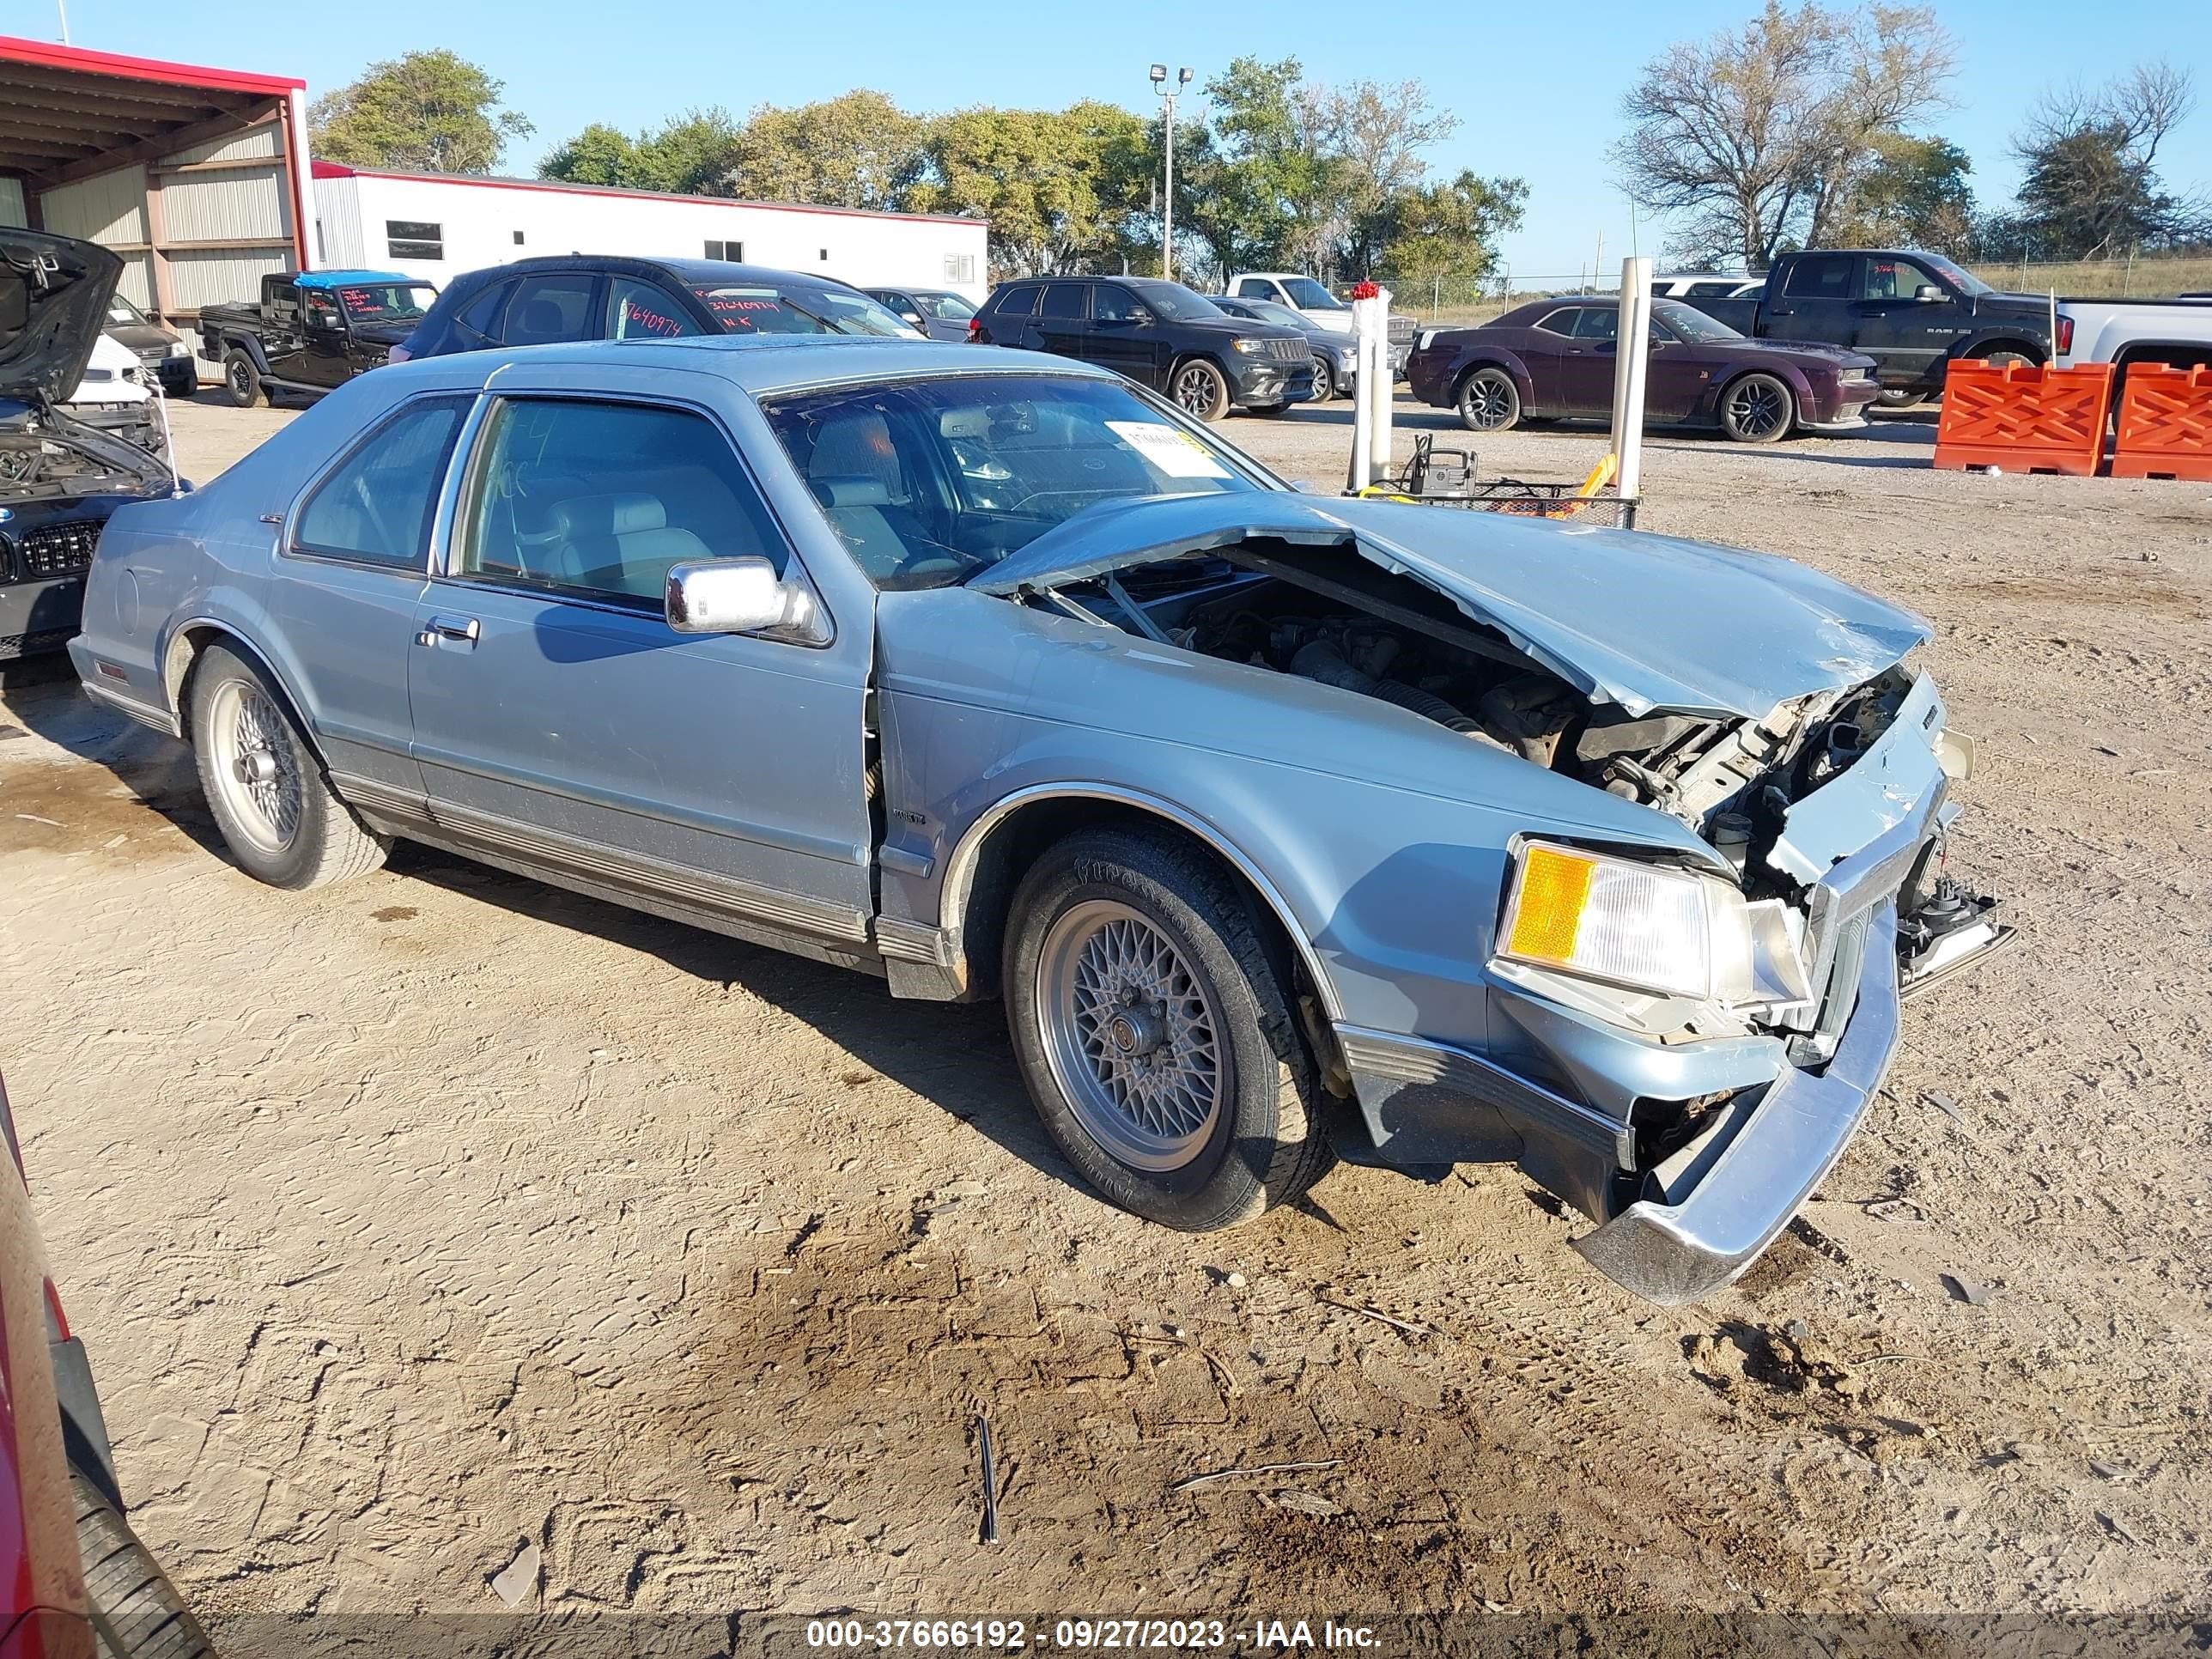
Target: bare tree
[2089,187]
[1759,135]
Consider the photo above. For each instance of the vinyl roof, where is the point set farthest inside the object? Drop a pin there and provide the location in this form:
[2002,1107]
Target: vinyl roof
[66,112]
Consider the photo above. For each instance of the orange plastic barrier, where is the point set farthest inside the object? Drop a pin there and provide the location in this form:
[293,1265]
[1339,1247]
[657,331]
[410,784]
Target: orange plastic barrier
[2166,423]
[2024,419]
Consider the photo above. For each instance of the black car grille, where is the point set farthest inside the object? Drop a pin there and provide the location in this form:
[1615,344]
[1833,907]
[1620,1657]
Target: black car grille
[58,549]
[1290,351]
[31,645]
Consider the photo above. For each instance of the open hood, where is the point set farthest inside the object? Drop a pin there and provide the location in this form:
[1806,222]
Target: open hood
[1643,621]
[53,303]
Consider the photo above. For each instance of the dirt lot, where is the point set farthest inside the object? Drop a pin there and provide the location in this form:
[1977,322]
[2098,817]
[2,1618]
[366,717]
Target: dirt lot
[414,1218]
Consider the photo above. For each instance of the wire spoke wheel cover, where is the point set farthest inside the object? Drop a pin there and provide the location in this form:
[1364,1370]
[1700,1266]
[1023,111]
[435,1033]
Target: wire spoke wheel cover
[1132,1035]
[255,766]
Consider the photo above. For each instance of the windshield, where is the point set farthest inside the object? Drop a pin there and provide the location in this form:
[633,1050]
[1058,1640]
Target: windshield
[385,303]
[1964,281]
[1266,311]
[796,308]
[1177,303]
[121,314]
[928,482]
[946,308]
[1307,294]
[1692,324]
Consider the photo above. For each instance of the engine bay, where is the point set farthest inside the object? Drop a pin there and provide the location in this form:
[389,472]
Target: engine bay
[1730,779]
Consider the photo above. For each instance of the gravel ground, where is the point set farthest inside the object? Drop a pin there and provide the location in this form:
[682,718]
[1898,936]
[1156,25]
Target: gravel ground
[413,1220]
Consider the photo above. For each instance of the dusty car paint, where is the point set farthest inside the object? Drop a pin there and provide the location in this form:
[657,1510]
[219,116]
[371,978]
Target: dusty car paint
[1382,840]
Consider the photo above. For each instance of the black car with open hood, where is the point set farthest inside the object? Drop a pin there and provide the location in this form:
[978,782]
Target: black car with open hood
[59,478]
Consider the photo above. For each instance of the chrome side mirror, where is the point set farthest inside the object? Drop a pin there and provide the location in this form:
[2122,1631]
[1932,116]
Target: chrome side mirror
[1928,294]
[735,596]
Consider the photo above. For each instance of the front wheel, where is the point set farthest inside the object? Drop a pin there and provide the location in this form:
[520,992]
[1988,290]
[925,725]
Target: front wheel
[1489,401]
[241,381]
[1200,389]
[1153,1026]
[1757,410]
[137,1613]
[265,784]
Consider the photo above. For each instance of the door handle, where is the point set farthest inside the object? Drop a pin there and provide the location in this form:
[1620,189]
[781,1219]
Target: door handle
[460,630]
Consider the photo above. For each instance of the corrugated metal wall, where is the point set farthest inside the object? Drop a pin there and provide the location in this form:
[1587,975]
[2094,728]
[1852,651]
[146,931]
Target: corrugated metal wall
[229,192]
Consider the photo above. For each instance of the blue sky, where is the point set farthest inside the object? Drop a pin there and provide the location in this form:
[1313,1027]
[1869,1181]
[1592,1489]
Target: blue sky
[1536,88]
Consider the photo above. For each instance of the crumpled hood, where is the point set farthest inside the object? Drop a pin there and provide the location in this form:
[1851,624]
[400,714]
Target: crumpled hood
[1644,622]
[53,303]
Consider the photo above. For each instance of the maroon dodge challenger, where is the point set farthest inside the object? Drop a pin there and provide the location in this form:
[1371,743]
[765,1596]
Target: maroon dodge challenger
[1554,358]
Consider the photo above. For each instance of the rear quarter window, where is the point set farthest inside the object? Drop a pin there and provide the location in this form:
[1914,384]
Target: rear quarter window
[1018,302]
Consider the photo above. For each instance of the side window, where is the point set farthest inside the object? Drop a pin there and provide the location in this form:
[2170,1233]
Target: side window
[598,499]
[281,303]
[1561,321]
[411,239]
[1597,323]
[1712,290]
[1063,300]
[478,324]
[1894,279]
[1256,287]
[375,509]
[1820,276]
[554,306]
[1112,303]
[640,311]
[1018,302]
[320,307]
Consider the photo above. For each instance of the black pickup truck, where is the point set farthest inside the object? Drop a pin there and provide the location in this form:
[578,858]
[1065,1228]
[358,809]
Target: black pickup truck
[1912,313]
[311,330]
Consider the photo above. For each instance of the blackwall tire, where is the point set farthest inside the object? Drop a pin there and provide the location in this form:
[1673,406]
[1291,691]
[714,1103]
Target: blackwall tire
[1757,408]
[1155,1029]
[242,381]
[265,784]
[1488,401]
[1200,389]
[137,1611]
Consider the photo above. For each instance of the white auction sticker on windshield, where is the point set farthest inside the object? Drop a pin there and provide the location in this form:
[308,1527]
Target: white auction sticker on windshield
[1176,453]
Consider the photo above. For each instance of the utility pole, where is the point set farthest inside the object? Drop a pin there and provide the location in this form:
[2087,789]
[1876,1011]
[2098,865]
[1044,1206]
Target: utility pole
[1167,198]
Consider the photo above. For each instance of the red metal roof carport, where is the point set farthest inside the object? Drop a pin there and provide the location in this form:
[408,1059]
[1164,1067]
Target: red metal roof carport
[67,114]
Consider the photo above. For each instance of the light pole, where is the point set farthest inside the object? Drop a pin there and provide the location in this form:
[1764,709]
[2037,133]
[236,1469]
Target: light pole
[1167,197]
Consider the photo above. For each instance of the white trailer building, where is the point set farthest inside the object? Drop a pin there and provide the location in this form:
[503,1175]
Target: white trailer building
[439,225]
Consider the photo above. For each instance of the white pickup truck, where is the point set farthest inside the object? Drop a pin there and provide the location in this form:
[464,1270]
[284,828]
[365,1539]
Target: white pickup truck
[1312,300]
[2123,331]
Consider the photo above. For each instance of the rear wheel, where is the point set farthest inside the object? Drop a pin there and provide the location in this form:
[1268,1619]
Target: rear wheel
[241,381]
[265,784]
[1153,1025]
[1200,389]
[1488,401]
[137,1613]
[1757,410]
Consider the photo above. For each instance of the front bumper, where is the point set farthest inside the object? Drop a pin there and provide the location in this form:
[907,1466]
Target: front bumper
[1271,380]
[37,617]
[1772,1157]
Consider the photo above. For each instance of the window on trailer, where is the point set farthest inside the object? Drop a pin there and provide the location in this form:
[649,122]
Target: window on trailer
[412,239]
[733,252]
[959,267]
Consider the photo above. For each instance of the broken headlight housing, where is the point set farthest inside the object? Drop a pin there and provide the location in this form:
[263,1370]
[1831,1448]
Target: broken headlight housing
[1646,926]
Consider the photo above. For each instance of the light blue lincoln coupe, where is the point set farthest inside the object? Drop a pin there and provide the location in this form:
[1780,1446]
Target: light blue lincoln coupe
[1274,819]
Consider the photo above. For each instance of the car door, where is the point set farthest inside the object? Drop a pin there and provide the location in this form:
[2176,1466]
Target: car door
[1124,335]
[1675,376]
[283,335]
[353,566]
[1542,347]
[550,306]
[560,721]
[1818,301]
[322,361]
[1903,333]
[1010,316]
[1063,319]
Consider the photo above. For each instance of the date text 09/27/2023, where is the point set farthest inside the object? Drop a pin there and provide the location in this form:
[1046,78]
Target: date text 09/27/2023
[1086,1635]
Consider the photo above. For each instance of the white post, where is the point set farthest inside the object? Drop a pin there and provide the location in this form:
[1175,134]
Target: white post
[1377,375]
[1167,203]
[1631,359]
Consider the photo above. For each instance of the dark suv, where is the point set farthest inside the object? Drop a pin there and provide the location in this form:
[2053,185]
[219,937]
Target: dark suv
[587,296]
[1159,334]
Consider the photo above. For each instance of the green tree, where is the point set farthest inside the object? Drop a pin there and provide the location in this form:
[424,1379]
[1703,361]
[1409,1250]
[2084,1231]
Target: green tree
[1449,229]
[1259,179]
[692,155]
[1059,187]
[859,150]
[430,111]
[2090,184]
[600,154]
[1912,193]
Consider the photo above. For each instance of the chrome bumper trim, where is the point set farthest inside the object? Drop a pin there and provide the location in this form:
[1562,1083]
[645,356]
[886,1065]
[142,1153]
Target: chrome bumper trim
[1673,1254]
[160,718]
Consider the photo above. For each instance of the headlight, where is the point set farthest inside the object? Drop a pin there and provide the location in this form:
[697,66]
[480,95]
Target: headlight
[1627,923]
[179,349]
[1249,347]
[1421,340]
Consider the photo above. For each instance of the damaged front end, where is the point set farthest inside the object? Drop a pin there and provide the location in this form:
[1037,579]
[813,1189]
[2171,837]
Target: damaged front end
[1682,1036]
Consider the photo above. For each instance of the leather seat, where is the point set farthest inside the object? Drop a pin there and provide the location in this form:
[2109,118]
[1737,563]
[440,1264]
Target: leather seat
[621,543]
